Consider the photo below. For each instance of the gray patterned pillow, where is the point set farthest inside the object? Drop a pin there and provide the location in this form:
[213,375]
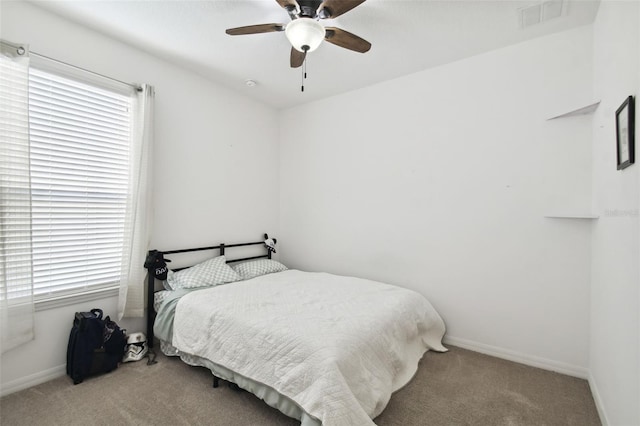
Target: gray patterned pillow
[158,298]
[208,273]
[256,268]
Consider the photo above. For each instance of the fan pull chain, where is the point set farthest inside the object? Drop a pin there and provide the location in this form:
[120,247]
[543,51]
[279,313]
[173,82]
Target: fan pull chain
[304,73]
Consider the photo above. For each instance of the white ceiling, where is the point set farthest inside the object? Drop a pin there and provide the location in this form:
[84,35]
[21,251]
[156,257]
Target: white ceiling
[406,36]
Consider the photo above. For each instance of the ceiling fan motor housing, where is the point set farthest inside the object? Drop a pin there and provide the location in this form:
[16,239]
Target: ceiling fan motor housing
[309,8]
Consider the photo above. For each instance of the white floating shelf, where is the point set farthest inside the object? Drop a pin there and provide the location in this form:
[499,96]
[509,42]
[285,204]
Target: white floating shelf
[589,109]
[571,216]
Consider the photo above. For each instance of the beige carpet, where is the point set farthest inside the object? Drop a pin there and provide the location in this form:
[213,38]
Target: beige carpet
[455,388]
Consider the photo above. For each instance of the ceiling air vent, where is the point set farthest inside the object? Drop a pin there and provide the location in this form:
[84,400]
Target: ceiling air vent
[540,12]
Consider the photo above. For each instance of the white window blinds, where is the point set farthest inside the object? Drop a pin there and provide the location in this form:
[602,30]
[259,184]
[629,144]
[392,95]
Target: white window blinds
[80,139]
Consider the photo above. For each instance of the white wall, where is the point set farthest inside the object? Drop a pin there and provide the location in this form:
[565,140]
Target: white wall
[615,294]
[215,159]
[439,182]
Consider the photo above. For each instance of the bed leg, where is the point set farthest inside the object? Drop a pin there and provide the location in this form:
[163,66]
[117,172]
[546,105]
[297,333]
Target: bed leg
[216,382]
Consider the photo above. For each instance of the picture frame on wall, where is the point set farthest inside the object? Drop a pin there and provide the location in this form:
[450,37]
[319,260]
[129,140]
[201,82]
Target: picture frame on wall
[625,133]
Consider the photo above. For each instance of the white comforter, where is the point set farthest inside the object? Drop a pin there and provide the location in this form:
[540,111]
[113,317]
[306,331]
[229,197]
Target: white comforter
[337,346]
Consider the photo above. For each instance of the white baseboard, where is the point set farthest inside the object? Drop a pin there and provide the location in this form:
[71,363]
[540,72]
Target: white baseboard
[533,361]
[598,400]
[32,380]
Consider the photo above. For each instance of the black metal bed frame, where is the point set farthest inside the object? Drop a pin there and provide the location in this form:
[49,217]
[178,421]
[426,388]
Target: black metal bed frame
[151,282]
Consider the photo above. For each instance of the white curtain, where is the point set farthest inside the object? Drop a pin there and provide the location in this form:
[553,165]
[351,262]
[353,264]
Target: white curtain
[16,270]
[138,222]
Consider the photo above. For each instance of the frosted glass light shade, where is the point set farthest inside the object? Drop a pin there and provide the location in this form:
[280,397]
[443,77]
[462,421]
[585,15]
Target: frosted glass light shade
[303,32]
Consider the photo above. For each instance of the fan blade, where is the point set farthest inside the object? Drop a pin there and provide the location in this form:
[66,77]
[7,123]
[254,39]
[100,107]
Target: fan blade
[297,58]
[291,6]
[256,29]
[334,8]
[347,40]
[285,4]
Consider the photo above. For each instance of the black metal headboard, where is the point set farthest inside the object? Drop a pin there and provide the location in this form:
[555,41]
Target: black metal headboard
[151,282]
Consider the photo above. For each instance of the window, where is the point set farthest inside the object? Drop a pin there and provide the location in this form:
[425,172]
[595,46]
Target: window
[80,137]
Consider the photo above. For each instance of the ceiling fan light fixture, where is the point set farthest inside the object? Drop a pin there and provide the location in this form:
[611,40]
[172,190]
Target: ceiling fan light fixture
[305,34]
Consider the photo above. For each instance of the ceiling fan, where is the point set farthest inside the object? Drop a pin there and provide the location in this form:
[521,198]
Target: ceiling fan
[305,32]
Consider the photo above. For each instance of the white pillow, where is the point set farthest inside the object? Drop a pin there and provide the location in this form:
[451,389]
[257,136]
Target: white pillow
[208,273]
[259,267]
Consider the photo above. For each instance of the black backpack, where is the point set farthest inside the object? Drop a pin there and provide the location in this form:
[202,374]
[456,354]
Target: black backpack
[95,346]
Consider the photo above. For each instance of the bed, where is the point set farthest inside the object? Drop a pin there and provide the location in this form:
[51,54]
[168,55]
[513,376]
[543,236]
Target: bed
[324,349]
